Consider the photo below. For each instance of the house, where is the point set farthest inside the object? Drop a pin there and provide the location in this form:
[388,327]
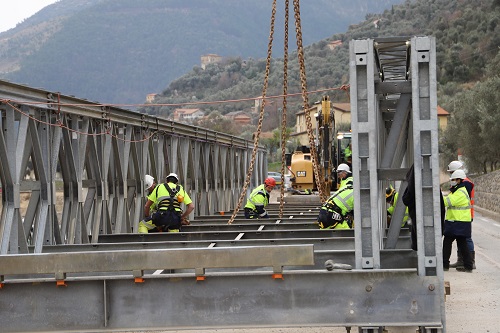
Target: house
[239,117]
[209,59]
[334,44]
[273,105]
[187,115]
[342,113]
[443,116]
[150,98]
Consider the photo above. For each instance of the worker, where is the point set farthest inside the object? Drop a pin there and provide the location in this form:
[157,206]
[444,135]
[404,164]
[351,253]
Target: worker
[259,199]
[344,175]
[409,199]
[336,212]
[469,185]
[167,198]
[391,198]
[457,224]
[146,224]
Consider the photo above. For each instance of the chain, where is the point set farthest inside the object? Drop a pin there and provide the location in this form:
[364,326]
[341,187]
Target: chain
[300,51]
[261,117]
[283,115]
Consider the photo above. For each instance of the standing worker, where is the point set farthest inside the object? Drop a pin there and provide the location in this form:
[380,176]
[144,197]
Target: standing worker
[457,224]
[469,185]
[259,199]
[344,175]
[167,198]
[336,211]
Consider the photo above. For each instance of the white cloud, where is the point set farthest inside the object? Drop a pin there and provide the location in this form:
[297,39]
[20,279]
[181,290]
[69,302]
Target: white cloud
[13,12]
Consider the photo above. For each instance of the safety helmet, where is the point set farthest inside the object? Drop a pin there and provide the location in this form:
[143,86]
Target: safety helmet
[389,192]
[458,174]
[270,182]
[455,165]
[343,167]
[173,175]
[148,181]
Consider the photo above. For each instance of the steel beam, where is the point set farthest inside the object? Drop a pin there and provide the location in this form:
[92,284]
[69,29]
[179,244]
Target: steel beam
[315,298]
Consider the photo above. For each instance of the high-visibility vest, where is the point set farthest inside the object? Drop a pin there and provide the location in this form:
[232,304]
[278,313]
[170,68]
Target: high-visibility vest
[343,199]
[347,181]
[165,199]
[458,206]
[258,197]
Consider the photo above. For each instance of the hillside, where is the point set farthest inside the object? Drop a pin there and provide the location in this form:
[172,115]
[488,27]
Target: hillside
[467,36]
[118,51]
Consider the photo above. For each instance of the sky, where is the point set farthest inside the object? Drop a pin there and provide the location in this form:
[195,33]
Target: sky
[13,12]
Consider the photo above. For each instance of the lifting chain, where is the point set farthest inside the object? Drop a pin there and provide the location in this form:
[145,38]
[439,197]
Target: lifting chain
[261,117]
[283,114]
[300,51]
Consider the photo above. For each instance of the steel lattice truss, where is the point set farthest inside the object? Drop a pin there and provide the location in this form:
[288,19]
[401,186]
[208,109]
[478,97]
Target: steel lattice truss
[98,156]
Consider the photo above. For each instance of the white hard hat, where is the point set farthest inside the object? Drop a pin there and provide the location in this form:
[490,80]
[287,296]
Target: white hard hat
[343,167]
[148,181]
[458,174]
[455,165]
[173,175]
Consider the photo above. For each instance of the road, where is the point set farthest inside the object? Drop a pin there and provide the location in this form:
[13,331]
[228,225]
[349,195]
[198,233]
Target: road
[473,305]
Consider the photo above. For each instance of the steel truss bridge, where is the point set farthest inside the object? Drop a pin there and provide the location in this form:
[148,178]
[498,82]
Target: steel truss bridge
[86,268]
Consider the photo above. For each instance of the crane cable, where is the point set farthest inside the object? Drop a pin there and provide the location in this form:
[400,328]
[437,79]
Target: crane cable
[261,116]
[300,51]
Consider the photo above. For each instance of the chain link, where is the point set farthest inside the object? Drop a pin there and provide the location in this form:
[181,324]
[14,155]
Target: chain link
[300,51]
[283,115]
[261,117]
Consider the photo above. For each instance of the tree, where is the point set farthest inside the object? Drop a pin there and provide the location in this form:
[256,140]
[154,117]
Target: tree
[474,127]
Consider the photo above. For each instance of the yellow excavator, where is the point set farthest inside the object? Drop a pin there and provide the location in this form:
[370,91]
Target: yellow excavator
[331,148]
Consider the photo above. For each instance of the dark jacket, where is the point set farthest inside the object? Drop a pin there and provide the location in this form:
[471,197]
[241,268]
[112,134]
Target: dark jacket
[409,201]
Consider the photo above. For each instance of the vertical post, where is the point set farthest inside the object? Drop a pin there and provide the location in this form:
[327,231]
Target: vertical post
[365,154]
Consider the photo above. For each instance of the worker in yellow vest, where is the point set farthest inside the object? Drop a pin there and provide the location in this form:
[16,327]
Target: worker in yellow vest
[167,198]
[457,224]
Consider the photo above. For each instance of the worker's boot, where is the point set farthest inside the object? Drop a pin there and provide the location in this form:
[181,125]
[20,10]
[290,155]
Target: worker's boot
[467,263]
[460,261]
[473,255]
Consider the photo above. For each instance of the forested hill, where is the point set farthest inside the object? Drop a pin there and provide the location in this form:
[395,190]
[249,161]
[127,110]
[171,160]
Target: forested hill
[467,36]
[118,51]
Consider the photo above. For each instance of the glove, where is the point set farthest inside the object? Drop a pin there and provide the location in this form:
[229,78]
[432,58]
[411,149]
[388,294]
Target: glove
[336,216]
[264,215]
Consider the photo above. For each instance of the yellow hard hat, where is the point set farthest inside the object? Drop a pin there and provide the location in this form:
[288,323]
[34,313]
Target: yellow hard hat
[389,192]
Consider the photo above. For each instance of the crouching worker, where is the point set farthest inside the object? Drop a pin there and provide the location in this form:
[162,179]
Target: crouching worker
[259,199]
[146,225]
[336,211]
[167,198]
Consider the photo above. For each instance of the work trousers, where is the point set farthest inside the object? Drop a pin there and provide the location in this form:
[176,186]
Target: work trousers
[463,249]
